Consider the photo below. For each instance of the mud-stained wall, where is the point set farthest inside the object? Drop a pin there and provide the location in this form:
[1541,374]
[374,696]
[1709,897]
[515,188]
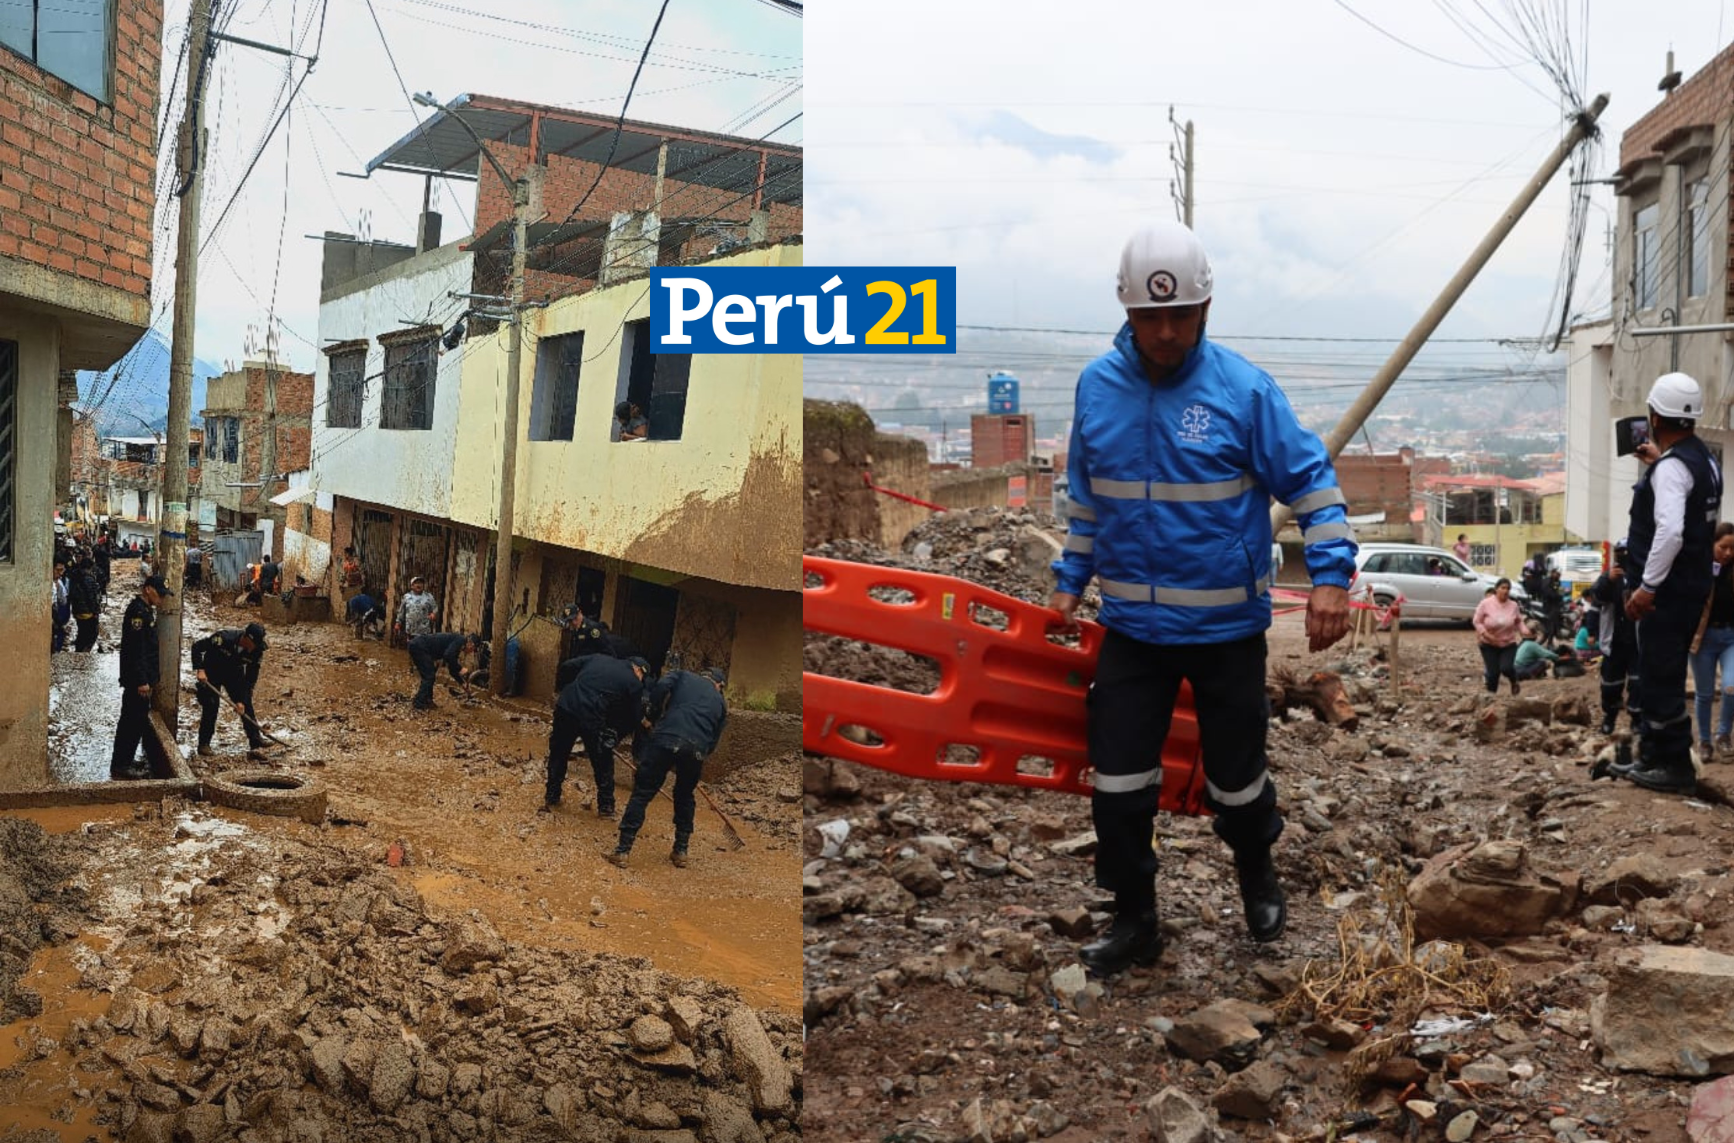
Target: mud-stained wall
[24,582]
[719,502]
[764,652]
[408,469]
[837,441]
[900,464]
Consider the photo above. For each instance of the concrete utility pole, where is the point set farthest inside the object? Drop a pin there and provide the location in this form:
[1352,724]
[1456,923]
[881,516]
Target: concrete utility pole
[172,538]
[1186,201]
[1583,126]
[521,207]
[509,448]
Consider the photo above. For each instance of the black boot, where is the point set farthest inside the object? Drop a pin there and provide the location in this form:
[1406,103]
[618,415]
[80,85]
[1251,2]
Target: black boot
[1133,938]
[1675,776]
[1609,721]
[1266,911]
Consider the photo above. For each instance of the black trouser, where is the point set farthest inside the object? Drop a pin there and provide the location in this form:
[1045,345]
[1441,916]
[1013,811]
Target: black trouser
[1619,670]
[86,638]
[1664,638]
[654,763]
[429,668]
[209,702]
[598,744]
[1131,706]
[1496,661]
[135,713]
[195,575]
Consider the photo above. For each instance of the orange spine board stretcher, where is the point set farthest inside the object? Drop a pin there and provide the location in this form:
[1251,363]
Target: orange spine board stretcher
[1013,701]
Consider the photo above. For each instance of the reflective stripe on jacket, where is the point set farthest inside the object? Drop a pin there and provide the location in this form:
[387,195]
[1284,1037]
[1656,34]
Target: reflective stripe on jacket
[1170,495]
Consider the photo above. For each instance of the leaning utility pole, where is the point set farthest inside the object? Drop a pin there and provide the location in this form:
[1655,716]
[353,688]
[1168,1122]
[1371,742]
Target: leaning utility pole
[171,550]
[509,444]
[1583,126]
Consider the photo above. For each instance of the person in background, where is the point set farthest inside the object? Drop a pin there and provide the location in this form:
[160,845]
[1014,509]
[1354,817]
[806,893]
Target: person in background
[1498,630]
[60,611]
[1619,643]
[84,595]
[195,566]
[633,424]
[1712,647]
[1533,657]
[1461,548]
[419,611]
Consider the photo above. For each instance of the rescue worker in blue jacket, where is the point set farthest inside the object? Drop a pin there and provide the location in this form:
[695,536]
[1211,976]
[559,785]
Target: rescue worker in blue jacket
[229,661]
[427,652]
[1675,507]
[688,712]
[138,674]
[603,700]
[1177,447]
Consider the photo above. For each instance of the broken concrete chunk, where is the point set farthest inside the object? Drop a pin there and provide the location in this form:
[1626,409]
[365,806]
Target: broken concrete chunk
[1667,1011]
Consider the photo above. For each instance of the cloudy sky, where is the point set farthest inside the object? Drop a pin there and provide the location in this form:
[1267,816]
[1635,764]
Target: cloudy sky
[717,65]
[1349,152]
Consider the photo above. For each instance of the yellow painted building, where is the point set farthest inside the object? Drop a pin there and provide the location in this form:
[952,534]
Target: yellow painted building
[688,539]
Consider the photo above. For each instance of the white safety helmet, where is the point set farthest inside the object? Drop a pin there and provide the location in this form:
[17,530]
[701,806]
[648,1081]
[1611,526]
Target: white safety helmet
[1164,265]
[1677,395]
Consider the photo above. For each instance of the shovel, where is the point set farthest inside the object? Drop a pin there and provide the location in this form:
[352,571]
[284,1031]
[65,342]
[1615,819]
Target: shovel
[735,839]
[263,733]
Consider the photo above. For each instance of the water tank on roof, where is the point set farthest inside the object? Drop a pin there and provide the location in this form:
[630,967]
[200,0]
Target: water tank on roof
[1002,393]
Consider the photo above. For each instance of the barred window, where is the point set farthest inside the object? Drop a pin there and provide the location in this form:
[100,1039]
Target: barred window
[348,385]
[407,400]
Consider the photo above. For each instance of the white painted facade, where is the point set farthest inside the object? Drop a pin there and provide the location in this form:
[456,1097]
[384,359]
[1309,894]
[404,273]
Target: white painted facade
[408,469]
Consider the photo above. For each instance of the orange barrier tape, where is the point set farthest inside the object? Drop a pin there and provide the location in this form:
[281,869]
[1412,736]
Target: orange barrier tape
[1009,708]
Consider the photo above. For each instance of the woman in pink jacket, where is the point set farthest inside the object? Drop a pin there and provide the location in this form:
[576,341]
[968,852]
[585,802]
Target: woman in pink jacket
[1499,629]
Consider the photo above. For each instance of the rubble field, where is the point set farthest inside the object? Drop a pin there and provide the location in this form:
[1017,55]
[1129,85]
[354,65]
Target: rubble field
[435,961]
[1483,942]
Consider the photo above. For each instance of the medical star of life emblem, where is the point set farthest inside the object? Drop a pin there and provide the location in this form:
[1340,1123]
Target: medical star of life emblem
[1195,424]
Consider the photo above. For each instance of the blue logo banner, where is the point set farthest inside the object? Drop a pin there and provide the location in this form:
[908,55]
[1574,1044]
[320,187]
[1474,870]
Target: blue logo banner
[803,309]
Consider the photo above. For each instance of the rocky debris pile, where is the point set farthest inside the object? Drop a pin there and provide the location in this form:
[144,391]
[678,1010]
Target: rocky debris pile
[1008,549]
[37,907]
[323,1000]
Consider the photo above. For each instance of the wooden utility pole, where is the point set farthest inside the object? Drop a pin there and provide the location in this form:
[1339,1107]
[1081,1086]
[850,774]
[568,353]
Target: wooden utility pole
[172,537]
[1583,126]
[509,443]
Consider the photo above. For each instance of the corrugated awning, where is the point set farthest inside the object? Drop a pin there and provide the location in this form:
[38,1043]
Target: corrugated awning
[441,146]
[293,495]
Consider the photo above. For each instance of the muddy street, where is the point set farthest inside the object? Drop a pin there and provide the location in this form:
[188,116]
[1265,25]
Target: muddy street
[1476,927]
[432,827]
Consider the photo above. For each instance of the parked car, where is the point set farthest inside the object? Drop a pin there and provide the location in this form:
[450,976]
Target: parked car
[1433,582]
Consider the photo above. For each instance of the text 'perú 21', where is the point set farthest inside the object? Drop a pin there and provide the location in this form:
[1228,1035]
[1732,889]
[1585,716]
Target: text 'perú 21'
[803,309]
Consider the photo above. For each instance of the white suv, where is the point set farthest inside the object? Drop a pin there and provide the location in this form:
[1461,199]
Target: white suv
[1433,582]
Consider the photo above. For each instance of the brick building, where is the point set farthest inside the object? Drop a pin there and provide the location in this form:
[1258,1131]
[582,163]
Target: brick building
[997,439]
[77,189]
[1672,254]
[258,426]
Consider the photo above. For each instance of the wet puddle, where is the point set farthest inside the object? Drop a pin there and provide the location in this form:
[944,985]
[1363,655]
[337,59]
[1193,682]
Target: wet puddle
[42,1085]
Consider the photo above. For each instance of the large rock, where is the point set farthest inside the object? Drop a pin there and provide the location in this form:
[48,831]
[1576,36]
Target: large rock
[757,1061]
[1219,1031]
[919,875]
[1711,1119]
[1251,1094]
[1631,879]
[1486,890]
[1667,1011]
[327,1056]
[470,943]
[1174,1118]
[393,1076]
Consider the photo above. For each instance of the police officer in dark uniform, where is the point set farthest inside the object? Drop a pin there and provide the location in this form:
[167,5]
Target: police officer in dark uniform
[229,661]
[85,595]
[1619,642]
[591,637]
[427,652]
[1675,506]
[689,711]
[603,700]
[138,674]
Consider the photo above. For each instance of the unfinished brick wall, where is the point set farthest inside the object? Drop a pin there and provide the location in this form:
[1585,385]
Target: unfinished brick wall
[78,178]
[1377,483]
[564,183]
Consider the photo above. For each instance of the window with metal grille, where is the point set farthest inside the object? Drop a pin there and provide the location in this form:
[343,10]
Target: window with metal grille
[1646,256]
[67,38]
[554,396]
[407,400]
[8,446]
[1698,219]
[231,440]
[347,389]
